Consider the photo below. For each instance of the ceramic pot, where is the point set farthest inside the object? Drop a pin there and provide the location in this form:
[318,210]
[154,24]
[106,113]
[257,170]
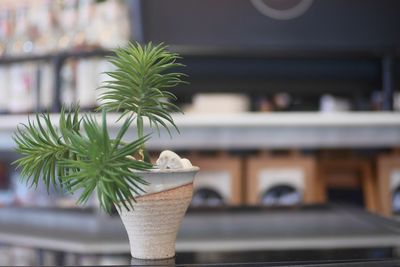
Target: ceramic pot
[153,224]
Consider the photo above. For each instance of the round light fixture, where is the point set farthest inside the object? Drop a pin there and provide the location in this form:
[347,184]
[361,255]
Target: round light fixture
[282,9]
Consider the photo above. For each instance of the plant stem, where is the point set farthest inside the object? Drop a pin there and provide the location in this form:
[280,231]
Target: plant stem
[140,133]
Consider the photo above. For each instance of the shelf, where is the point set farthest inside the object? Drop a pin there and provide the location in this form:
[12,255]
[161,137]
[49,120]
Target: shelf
[264,51]
[262,70]
[259,130]
[221,52]
[77,53]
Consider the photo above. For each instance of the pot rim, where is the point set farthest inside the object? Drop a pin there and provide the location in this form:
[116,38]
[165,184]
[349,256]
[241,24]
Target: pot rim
[155,170]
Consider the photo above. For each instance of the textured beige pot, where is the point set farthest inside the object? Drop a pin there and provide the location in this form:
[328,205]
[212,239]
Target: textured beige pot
[153,224]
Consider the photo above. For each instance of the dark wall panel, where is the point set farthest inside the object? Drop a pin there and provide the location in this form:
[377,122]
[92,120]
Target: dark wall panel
[340,24]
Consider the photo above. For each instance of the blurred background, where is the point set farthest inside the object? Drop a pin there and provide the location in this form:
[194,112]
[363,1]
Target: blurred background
[289,103]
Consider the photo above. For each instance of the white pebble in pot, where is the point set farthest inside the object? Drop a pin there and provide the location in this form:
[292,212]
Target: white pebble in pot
[186,163]
[169,160]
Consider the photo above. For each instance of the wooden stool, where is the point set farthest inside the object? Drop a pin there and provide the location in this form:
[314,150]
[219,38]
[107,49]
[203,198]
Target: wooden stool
[222,173]
[386,165]
[349,172]
[292,170]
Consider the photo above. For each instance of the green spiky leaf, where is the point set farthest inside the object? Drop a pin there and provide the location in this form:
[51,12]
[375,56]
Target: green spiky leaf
[138,86]
[79,154]
[42,146]
[104,165]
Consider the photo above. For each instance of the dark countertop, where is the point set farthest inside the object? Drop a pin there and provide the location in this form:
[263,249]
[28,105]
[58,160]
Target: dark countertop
[325,235]
[207,230]
[349,263]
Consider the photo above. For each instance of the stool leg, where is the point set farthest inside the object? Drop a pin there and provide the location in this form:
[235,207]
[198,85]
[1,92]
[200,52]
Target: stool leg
[321,186]
[384,187]
[369,189]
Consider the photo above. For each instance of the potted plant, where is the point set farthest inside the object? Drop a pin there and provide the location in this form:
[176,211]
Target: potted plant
[79,156]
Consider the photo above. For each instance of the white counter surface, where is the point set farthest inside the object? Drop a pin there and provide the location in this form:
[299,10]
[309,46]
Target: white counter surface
[260,130]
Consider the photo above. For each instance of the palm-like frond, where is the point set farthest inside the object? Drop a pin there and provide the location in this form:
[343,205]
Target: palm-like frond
[42,145]
[80,155]
[138,85]
[63,157]
[104,166]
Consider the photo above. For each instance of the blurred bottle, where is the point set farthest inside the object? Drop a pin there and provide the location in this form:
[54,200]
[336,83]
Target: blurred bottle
[3,30]
[263,104]
[396,101]
[21,43]
[8,26]
[86,35]
[4,90]
[90,76]
[68,19]
[23,90]
[219,103]
[21,193]
[26,197]
[9,29]
[22,256]
[282,101]
[32,29]
[87,83]
[112,23]
[376,100]
[68,82]
[329,103]
[4,181]
[6,195]
[102,67]
[5,257]
[46,90]
[45,26]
